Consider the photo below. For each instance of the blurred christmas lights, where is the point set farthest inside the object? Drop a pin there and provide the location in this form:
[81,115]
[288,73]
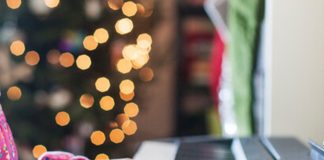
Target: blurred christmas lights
[32,58]
[129,127]
[124,26]
[14,93]
[102,156]
[62,119]
[101,35]
[13,4]
[66,59]
[107,103]
[116,136]
[127,86]
[131,109]
[98,138]
[102,84]
[83,62]
[129,8]
[38,150]
[17,48]
[86,101]
[90,43]
[124,66]
[52,3]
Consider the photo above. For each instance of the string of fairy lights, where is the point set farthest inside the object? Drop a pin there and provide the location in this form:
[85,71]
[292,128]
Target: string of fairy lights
[134,57]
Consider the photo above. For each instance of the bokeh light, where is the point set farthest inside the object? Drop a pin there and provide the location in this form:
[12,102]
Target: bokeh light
[32,58]
[140,61]
[86,101]
[127,97]
[52,3]
[124,66]
[98,138]
[102,84]
[130,52]
[121,119]
[13,4]
[127,86]
[83,62]
[53,57]
[14,93]
[146,74]
[66,59]
[102,156]
[129,127]
[144,40]
[107,103]
[62,119]
[39,150]
[140,9]
[90,43]
[129,9]
[131,109]
[17,48]
[124,26]
[115,4]
[116,136]
[101,35]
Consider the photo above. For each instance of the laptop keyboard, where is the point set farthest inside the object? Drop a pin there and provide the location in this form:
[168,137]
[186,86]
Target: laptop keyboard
[204,151]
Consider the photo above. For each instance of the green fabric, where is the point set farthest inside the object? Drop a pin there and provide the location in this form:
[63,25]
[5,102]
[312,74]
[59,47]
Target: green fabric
[213,122]
[244,23]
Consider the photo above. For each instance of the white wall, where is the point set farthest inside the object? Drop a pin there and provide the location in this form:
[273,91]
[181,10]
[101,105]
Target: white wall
[297,68]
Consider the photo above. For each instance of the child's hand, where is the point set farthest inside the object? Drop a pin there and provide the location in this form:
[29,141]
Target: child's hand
[60,156]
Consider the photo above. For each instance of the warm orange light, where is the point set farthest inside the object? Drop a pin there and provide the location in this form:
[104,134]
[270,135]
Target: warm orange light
[146,74]
[17,48]
[14,93]
[53,57]
[101,35]
[121,119]
[83,62]
[62,119]
[129,127]
[98,138]
[102,156]
[102,84]
[66,59]
[32,58]
[144,40]
[86,101]
[131,109]
[115,4]
[140,9]
[117,136]
[140,61]
[52,3]
[129,9]
[13,4]
[130,52]
[39,150]
[126,97]
[127,86]
[124,66]
[107,103]
[90,43]
[124,26]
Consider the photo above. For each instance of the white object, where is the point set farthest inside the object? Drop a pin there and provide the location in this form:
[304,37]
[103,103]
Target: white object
[156,150]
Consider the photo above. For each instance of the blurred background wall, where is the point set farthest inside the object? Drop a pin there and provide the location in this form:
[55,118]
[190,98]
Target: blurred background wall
[297,68]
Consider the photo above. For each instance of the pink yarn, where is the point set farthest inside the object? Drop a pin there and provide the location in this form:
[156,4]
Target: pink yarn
[60,156]
[7,146]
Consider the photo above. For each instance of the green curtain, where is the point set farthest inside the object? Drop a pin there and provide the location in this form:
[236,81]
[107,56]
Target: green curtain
[245,18]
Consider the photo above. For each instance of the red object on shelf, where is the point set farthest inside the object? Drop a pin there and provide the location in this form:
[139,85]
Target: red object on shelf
[216,66]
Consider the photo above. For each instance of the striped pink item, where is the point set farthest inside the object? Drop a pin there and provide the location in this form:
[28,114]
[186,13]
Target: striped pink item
[7,145]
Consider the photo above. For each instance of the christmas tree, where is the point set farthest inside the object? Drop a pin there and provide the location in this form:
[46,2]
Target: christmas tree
[70,73]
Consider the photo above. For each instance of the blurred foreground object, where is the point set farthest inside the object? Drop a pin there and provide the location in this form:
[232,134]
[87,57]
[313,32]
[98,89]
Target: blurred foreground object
[60,156]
